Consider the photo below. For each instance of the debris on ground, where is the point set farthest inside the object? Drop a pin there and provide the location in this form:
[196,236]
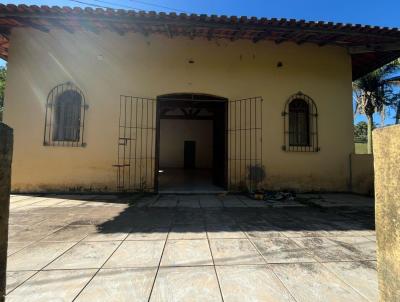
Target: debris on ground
[274,196]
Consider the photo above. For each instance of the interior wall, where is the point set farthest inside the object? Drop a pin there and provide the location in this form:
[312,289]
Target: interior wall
[173,134]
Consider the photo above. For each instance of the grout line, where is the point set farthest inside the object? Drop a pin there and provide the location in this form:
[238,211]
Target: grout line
[212,257]
[98,270]
[151,203]
[342,280]
[180,266]
[39,240]
[321,262]
[38,271]
[121,242]
[21,206]
[159,262]
[266,263]
[172,223]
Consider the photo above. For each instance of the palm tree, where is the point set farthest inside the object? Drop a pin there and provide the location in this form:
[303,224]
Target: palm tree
[375,92]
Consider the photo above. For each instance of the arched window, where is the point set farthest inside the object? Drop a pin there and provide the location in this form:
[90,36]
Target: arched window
[300,124]
[65,114]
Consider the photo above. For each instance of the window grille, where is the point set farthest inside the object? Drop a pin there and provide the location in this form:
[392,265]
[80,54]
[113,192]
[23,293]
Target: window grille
[300,122]
[65,117]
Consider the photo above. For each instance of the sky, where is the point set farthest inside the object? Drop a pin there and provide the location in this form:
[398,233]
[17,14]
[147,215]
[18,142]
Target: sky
[371,12]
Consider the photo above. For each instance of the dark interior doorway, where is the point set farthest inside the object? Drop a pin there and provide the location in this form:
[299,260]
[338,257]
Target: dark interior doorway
[189,161]
[191,143]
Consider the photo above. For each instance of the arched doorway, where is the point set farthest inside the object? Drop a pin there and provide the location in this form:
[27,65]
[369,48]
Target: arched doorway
[191,143]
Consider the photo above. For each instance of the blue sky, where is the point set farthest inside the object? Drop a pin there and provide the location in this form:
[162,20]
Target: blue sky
[371,12]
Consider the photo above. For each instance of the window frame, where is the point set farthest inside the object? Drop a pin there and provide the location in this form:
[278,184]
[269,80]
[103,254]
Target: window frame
[312,125]
[50,137]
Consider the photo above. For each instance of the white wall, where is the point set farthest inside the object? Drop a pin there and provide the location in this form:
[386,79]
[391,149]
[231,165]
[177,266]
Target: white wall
[173,134]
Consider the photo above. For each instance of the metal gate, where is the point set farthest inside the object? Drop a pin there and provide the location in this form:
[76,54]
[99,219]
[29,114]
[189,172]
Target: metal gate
[136,144]
[245,169]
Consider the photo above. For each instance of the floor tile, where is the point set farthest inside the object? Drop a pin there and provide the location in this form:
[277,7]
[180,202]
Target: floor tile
[342,238]
[14,247]
[326,250]
[148,233]
[37,255]
[282,250]
[262,230]
[189,216]
[188,232]
[234,251]
[61,285]
[137,254]
[312,282]
[165,203]
[69,233]
[251,283]
[85,255]
[233,203]
[210,202]
[361,276]
[361,248]
[189,204]
[310,231]
[218,217]
[252,203]
[71,203]
[186,253]
[33,233]
[372,238]
[119,285]
[109,233]
[19,219]
[182,284]
[14,279]
[215,231]
[48,202]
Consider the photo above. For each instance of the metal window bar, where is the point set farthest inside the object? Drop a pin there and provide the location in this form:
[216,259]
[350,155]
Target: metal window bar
[300,124]
[65,116]
[136,144]
[245,169]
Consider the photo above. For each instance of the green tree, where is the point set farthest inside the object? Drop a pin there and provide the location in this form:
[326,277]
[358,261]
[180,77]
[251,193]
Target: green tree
[360,132]
[3,75]
[375,92]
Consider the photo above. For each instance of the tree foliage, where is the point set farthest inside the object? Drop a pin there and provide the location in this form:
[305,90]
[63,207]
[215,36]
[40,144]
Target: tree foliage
[375,92]
[361,132]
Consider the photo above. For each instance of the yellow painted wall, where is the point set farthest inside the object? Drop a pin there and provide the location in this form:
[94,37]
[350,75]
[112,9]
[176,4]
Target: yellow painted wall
[362,172]
[106,65]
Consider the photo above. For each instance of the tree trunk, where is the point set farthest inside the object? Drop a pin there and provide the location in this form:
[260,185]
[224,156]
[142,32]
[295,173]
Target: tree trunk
[6,147]
[369,133]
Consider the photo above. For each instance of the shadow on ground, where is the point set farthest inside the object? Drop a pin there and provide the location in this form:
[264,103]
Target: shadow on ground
[307,220]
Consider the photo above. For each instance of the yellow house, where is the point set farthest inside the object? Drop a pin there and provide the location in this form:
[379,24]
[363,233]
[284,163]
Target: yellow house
[104,100]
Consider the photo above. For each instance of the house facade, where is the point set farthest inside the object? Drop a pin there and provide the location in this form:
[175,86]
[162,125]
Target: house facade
[169,102]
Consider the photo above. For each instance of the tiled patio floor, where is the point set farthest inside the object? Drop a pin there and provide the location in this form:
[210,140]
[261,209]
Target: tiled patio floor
[191,248]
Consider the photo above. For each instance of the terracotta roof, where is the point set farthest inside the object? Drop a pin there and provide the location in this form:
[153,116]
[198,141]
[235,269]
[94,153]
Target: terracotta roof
[369,46]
